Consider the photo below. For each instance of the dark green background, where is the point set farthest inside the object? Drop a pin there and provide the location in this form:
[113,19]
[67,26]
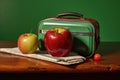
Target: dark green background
[20,16]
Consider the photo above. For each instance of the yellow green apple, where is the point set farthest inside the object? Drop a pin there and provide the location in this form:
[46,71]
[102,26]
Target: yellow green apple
[27,43]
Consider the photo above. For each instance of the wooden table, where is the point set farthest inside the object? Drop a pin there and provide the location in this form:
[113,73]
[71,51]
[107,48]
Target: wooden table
[12,66]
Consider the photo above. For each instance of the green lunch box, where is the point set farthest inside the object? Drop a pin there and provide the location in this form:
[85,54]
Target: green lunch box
[85,32]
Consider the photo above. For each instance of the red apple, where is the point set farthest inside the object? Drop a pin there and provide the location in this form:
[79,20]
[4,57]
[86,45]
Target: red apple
[27,43]
[97,57]
[58,41]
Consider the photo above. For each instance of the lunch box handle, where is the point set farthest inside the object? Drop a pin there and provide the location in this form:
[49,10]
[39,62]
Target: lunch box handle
[79,15]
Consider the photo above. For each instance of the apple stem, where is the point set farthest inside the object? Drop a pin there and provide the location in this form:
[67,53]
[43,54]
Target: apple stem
[31,30]
[57,31]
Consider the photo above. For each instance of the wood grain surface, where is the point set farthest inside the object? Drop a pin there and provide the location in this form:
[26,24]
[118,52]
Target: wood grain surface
[110,62]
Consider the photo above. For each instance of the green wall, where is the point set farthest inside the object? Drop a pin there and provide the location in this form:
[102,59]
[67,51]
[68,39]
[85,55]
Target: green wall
[20,16]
